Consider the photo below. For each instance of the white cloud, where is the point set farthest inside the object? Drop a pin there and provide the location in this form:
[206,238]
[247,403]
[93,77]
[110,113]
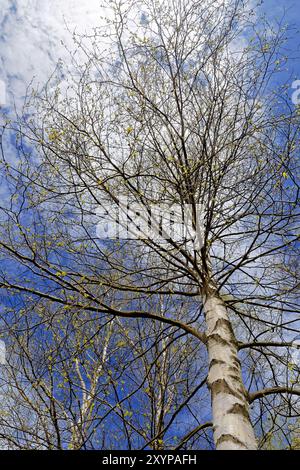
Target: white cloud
[31,36]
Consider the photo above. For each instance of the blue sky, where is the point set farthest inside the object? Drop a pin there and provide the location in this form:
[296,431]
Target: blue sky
[275,9]
[32,32]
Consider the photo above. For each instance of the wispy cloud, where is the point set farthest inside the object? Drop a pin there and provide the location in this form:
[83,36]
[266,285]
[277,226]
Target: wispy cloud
[32,38]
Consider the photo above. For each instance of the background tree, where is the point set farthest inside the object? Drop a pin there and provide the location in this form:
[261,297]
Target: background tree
[174,105]
[79,382]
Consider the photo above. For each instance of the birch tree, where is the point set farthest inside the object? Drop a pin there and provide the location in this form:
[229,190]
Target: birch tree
[173,108]
[73,381]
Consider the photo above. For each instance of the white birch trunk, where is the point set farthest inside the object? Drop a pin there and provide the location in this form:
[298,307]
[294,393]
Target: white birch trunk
[88,397]
[232,426]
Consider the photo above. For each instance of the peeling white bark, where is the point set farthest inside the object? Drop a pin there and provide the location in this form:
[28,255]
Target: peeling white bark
[232,426]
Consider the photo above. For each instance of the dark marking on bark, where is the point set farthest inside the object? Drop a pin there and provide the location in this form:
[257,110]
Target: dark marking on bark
[235,360]
[225,323]
[235,377]
[221,386]
[240,409]
[216,337]
[213,362]
[229,437]
[234,369]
